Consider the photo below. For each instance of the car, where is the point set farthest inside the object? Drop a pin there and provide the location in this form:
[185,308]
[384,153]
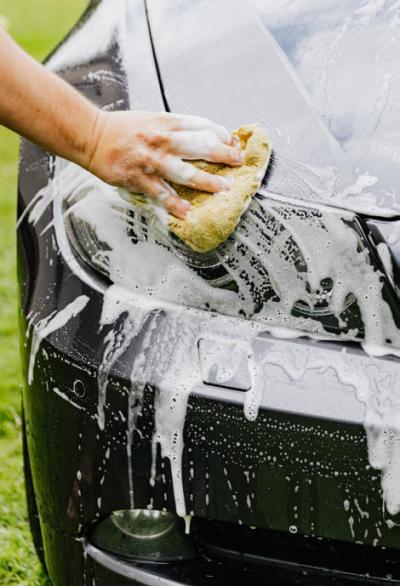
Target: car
[229,417]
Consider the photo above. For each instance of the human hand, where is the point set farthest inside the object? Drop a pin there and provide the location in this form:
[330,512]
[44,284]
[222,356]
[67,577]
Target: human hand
[140,151]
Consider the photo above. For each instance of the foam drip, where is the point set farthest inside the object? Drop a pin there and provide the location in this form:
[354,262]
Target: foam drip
[277,259]
[51,323]
[376,383]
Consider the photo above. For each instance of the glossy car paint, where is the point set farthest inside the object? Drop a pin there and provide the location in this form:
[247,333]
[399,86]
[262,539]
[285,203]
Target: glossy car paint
[302,467]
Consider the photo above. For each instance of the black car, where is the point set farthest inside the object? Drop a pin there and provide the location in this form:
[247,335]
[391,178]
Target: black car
[230,417]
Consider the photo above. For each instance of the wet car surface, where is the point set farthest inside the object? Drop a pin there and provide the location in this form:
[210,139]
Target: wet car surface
[252,390]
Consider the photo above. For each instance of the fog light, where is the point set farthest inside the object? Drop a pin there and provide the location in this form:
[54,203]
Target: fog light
[144,535]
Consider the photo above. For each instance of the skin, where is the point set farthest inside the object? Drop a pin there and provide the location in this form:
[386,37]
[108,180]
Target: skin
[135,150]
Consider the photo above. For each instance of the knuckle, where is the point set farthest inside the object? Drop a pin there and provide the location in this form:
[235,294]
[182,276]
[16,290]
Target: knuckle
[141,136]
[143,159]
[135,182]
[173,203]
[158,140]
[157,164]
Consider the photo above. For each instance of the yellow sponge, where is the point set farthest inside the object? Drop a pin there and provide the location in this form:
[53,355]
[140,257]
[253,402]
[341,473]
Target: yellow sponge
[215,216]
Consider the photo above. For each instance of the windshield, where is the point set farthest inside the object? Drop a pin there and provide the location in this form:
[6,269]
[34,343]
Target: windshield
[345,54]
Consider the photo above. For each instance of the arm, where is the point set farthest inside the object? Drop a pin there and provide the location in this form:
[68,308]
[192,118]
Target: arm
[134,150]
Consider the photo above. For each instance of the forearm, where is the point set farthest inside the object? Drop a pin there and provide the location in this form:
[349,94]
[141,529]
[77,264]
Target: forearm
[141,151]
[40,106]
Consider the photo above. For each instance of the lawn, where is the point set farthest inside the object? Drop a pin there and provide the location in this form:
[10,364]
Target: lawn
[37,25]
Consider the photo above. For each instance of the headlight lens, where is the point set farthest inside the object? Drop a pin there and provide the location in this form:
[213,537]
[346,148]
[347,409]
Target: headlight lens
[287,264]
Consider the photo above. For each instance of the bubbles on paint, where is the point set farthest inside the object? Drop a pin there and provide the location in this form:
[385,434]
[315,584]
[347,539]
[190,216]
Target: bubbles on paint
[287,266]
[51,323]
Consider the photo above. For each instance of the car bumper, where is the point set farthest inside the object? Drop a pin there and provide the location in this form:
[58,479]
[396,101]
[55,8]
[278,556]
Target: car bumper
[89,565]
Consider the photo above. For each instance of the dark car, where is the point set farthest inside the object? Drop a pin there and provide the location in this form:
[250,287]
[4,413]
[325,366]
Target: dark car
[230,417]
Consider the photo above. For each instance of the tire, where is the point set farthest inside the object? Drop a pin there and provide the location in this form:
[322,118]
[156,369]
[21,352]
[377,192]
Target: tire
[33,514]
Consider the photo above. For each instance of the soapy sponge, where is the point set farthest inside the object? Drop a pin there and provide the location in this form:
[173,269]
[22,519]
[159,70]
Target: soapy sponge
[214,217]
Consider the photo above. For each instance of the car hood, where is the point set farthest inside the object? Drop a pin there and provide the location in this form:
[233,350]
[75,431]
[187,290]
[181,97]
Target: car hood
[224,61]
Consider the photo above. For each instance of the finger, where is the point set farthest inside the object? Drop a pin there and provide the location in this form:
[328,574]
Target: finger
[177,171]
[226,154]
[164,194]
[186,122]
[176,122]
[192,145]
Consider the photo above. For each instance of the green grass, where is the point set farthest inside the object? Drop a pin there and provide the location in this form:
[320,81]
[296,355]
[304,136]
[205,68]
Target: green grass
[38,25]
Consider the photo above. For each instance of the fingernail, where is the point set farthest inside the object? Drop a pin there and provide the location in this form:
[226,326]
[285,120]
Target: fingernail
[241,157]
[236,142]
[186,203]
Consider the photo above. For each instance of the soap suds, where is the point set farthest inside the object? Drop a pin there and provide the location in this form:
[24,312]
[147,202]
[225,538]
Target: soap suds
[287,270]
[345,55]
[290,266]
[66,398]
[50,324]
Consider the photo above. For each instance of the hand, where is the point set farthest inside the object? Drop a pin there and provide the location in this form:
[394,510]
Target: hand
[141,150]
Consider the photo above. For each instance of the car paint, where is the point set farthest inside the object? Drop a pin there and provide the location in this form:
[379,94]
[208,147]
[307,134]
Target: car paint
[301,467]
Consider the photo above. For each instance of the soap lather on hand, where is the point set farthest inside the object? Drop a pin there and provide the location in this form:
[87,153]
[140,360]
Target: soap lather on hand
[141,152]
[213,217]
[155,156]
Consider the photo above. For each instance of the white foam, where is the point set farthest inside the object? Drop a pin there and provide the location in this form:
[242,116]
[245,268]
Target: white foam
[376,384]
[154,286]
[149,277]
[50,324]
[66,398]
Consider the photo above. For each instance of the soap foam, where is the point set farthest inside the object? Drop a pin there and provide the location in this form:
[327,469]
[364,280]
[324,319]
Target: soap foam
[51,323]
[154,286]
[276,260]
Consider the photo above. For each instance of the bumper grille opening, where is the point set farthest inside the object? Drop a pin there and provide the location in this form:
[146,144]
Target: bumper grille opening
[226,541]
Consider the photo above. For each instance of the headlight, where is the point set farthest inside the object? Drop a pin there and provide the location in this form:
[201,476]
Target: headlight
[288,265]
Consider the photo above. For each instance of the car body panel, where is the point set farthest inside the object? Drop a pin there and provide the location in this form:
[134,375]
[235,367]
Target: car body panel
[326,149]
[261,87]
[344,55]
[300,467]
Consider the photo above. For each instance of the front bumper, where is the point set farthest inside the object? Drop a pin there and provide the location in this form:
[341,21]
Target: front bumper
[301,468]
[289,563]
[293,474]
[287,471]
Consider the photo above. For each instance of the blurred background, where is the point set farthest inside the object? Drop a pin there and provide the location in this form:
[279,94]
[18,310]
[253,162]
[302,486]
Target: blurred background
[38,25]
